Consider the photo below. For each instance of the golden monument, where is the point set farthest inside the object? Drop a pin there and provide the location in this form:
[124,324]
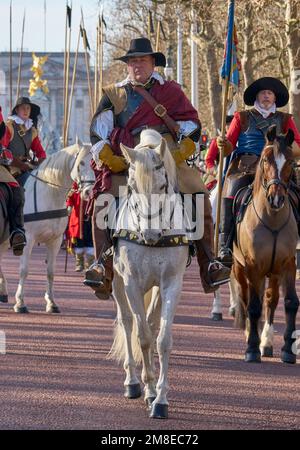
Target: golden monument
[37,82]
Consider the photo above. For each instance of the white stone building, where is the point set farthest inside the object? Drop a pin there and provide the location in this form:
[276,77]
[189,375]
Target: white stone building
[53,106]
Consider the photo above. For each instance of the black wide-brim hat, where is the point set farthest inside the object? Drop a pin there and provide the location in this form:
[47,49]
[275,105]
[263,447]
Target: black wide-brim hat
[270,84]
[142,47]
[35,109]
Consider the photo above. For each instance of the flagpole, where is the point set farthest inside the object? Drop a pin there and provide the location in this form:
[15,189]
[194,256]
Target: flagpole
[72,86]
[96,69]
[223,130]
[68,73]
[45,26]
[221,163]
[65,73]
[157,36]
[21,58]
[10,56]
[87,63]
[101,59]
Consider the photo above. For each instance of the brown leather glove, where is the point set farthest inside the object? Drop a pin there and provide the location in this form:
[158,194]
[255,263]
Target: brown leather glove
[226,144]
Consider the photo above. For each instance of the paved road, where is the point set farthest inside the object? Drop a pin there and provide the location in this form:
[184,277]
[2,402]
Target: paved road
[55,374]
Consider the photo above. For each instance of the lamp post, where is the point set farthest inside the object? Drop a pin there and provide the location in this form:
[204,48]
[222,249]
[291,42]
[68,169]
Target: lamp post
[168,70]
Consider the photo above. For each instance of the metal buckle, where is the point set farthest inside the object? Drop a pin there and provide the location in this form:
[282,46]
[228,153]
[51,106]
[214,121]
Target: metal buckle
[160,110]
[21,133]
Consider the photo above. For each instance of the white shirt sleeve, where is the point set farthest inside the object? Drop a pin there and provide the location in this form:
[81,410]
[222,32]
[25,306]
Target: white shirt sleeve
[102,127]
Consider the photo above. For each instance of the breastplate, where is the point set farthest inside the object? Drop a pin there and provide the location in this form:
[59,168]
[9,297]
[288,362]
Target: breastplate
[21,142]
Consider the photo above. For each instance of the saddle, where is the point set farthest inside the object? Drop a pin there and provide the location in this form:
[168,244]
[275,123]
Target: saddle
[241,201]
[244,197]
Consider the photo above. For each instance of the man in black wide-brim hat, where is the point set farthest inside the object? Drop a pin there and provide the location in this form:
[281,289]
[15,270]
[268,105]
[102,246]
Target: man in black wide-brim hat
[145,100]
[246,136]
[22,141]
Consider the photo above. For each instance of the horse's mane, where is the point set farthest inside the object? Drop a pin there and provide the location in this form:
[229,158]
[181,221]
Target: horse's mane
[144,168]
[55,163]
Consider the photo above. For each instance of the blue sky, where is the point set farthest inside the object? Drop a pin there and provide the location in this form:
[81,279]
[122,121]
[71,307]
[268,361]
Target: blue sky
[34,27]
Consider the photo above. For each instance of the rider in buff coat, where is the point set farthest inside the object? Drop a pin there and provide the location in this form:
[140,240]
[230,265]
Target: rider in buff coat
[122,114]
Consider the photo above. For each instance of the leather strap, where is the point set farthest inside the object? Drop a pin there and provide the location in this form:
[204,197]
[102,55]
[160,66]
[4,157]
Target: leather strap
[159,110]
[46,215]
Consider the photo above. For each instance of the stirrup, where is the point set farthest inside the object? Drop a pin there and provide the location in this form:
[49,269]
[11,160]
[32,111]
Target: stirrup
[219,266]
[92,272]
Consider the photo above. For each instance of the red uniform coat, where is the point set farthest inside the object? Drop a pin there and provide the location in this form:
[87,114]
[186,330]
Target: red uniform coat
[75,227]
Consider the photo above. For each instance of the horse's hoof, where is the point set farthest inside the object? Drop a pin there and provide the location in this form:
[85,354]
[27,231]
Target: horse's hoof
[159,411]
[288,358]
[133,391]
[53,310]
[267,352]
[149,402]
[21,309]
[252,357]
[217,317]
[232,311]
[4,298]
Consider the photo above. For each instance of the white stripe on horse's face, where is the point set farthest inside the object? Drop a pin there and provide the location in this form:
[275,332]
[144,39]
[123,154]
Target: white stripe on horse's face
[280,160]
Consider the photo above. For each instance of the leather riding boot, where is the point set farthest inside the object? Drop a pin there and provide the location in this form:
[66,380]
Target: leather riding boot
[212,272]
[79,262]
[16,221]
[227,232]
[89,261]
[100,274]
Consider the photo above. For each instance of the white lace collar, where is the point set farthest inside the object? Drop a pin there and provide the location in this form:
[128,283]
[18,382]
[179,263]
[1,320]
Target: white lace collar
[264,112]
[154,75]
[27,123]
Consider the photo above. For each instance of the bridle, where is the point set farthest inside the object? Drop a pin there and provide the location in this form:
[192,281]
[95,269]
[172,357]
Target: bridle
[137,207]
[274,181]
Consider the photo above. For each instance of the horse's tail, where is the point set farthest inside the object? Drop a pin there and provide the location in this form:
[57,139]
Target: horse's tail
[118,349]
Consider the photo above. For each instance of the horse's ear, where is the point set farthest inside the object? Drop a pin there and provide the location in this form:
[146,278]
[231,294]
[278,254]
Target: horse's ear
[271,133]
[289,137]
[162,148]
[127,152]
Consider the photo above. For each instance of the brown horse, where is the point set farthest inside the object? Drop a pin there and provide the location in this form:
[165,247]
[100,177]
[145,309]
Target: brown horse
[265,248]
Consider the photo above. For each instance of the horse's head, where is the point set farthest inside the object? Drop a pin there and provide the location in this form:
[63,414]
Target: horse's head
[152,172]
[82,172]
[276,166]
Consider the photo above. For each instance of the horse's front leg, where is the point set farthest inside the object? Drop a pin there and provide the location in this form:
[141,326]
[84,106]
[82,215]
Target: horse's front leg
[254,313]
[271,298]
[143,338]
[20,307]
[216,313]
[291,305]
[3,285]
[52,252]
[153,320]
[122,346]
[170,295]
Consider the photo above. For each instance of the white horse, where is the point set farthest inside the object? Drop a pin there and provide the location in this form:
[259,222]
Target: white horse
[216,313]
[45,213]
[148,278]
